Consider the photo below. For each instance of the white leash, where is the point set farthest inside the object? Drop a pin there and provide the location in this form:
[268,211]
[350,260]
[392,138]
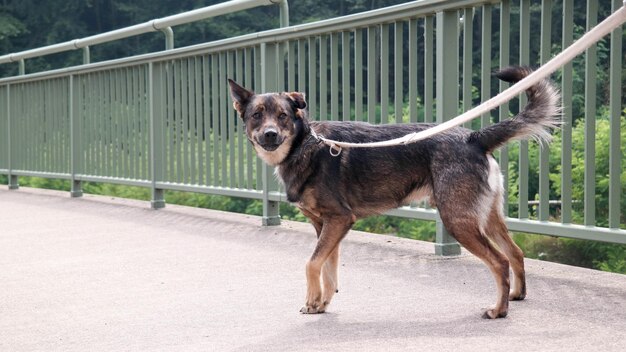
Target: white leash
[594,35]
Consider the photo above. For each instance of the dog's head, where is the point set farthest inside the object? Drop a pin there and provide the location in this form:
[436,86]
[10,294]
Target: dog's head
[272,120]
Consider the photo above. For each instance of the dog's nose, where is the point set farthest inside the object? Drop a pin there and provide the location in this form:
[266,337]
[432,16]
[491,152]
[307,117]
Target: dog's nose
[270,135]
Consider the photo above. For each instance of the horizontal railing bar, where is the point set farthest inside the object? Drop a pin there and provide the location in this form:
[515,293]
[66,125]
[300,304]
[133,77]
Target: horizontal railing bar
[532,226]
[360,20]
[221,191]
[146,27]
[62,176]
[415,213]
[115,180]
[581,232]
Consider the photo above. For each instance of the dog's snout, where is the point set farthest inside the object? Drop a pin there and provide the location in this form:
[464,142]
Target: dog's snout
[270,135]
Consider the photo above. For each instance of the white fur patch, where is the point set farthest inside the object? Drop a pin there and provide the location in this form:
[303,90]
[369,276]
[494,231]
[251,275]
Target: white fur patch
[495,178]
[418,195]
[494,195]
[275,157]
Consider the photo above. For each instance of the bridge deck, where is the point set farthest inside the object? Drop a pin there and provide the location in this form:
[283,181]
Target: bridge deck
[110,274]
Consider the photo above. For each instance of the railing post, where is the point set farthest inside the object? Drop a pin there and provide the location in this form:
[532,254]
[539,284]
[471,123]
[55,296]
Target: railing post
[447,92]
[156,143]
[169,37]
[13,184]
[86,55]
[75,145]
[284,13]
[269,62]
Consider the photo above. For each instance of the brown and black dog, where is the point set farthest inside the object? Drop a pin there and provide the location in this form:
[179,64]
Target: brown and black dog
[455,171]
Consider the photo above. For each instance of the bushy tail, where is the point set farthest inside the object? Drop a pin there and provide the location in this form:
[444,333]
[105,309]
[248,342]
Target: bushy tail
[539,117]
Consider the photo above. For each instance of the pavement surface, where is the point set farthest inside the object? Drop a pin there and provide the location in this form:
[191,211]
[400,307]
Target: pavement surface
[104,274]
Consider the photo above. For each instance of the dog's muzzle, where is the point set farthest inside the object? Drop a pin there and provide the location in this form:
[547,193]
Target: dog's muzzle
[270,140]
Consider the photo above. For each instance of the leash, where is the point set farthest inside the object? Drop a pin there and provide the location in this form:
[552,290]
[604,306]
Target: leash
[583,43]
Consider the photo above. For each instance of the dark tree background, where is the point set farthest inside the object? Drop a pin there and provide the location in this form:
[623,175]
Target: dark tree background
[28,24]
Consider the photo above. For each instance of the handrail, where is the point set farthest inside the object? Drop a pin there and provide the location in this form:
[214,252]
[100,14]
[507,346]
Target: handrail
[160,24]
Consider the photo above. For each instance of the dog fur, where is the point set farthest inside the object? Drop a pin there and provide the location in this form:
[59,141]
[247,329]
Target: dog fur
[455,171]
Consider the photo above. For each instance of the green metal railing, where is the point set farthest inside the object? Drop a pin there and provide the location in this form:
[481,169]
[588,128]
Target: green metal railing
[165,121]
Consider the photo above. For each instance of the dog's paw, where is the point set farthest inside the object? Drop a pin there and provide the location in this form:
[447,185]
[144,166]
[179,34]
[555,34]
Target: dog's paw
[309,309]
[494,314]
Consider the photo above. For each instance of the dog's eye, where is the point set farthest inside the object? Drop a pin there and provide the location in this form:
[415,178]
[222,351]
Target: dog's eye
[256,115]
[282,116]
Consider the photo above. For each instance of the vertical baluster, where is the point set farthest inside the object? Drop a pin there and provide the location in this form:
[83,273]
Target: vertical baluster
[230,122]
[371,74]
[206,134]
[485,64]
[590,120]
[544,151]
[615,106]
[186,126]
[334,76]
[215,117]
[223,122]
[413,38]
[323,78]
[468,30]
[358,74]
[251,159]
[566,128]
[312,78]
[257,87]
[191,116]
[398,76]
[505,38]
[291,65]
[239,74]
[384,73]
[523,147]
[345,76]
[428,72]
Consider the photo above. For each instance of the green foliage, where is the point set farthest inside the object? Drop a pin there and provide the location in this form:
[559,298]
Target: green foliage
[589,254]
[38,182]
[10,26]
[578,170]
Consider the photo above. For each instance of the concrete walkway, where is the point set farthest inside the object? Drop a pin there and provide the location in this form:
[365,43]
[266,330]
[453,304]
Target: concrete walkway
[102,274]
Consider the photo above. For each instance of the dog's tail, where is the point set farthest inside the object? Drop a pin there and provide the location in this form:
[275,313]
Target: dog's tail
[539,117]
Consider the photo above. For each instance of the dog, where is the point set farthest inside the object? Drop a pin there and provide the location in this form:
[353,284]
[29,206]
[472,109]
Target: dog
[454,170]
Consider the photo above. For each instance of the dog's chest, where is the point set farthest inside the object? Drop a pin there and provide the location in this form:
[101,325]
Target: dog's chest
[290,183]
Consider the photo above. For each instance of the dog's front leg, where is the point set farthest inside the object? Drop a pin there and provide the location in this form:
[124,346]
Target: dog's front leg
[329,276]
[333,230]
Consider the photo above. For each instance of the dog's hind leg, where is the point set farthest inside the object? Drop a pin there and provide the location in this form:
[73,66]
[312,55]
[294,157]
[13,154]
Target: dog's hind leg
[496,230]
[333,230]
[465,228]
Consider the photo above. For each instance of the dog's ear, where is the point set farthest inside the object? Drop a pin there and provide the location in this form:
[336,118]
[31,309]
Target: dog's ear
[298,99]
[240,95]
